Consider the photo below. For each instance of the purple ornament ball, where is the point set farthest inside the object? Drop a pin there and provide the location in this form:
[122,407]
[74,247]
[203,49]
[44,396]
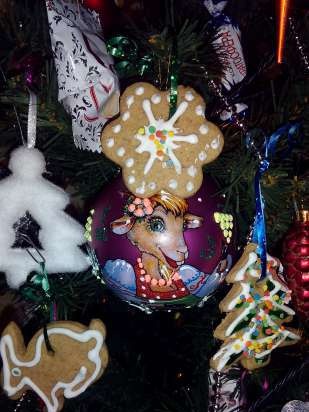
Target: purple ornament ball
[163,252]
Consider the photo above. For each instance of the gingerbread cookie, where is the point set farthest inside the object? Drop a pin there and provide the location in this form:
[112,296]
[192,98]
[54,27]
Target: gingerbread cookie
[256,310]
[155,152]
[78,359]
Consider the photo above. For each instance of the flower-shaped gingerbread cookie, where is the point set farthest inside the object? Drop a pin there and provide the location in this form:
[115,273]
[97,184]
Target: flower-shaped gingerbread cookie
[155,152]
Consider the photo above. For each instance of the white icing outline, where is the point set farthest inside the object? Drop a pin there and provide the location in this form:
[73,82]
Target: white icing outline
[126,116]
[130,101]
[189,186]
[199,110]
[156,98]
[189,96]
[121,151]
[228,349]
[192,171]
[139,90]
[130,162]
[117,128]
[110,142]
[147,145]
[93,355]
[203,129]
[215,143]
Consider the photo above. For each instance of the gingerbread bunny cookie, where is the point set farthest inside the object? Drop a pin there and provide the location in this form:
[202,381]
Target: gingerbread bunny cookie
[157,152]
[78,359]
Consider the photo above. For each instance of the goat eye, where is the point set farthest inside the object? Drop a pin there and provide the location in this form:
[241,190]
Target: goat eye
[16,372]
[156,224]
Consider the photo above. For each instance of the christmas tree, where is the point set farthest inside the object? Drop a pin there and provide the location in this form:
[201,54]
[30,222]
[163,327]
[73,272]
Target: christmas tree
[158,362]
[256,310]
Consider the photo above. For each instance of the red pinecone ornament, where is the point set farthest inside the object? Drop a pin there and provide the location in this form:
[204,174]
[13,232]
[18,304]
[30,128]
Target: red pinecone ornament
[295,259]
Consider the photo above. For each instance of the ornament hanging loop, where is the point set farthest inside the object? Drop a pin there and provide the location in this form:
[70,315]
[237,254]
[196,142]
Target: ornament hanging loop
[32,119]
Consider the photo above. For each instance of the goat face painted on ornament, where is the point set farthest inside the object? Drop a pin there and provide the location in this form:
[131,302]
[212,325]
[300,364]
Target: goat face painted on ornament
[155,226]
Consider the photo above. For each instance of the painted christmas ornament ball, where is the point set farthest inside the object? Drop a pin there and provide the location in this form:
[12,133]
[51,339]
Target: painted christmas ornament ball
[161,252]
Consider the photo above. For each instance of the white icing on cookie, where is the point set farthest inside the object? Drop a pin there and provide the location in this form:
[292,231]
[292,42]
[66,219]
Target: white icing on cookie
[189,96]
[131,180]
[215,143]
[130,162]
[117,128]
[139,91]
[240,275]
[125,116]
[110,142]
[171,141]
[202,156]
[141,188]
[130,101]
[152,185]
[189,186]
[192,170]
[121,151]
[237,342]
[51,401]
[203,129]
[156,98]
[199,110]
[173,184]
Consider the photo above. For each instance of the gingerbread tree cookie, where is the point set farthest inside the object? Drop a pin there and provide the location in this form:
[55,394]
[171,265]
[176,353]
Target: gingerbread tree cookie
[256,310]
[155,152]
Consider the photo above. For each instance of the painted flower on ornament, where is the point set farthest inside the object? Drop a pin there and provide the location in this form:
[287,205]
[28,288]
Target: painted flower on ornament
[158,152]
[140,207]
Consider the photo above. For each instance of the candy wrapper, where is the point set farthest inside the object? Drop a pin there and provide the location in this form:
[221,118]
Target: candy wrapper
[226,391]
[238,108]
[228,40]
[88,85]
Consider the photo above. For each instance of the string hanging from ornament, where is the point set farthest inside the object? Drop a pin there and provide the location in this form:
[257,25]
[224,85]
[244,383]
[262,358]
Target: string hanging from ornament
[283,19]
[300,46]
[264,157]
[236,117]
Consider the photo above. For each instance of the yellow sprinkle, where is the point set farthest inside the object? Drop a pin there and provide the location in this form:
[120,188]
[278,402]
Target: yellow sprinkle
[171,133]
[276,297]
[237,346]
[264,287]
[141,130]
